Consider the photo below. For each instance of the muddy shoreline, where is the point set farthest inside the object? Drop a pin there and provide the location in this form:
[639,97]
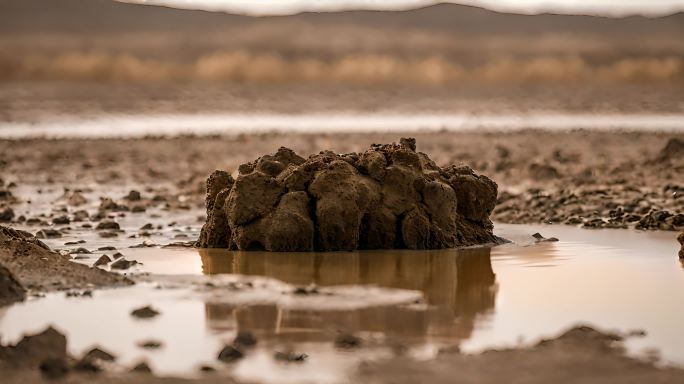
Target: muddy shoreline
[592,179]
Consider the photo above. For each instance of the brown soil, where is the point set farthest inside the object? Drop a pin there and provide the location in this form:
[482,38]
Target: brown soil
[593,179]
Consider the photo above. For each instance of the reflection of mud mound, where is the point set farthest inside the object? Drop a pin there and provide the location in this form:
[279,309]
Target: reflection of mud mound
[385,198]
[457,286]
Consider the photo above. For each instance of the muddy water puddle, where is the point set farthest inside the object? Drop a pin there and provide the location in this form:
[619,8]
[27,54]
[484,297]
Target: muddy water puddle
[397,302]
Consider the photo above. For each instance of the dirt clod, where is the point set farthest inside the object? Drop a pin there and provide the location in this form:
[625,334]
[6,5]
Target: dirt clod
[291,357]
[108,224]
[347,341]
[245,339]
[230,354]
[99,354]
[122,264]
[146,312]
[388,197]
[103,260]
[141,367]
[6,214]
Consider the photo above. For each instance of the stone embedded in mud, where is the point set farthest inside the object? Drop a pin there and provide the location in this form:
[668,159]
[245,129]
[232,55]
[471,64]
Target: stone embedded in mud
[99,354]
[141,367]
[11,291]
[34,349]
[387,197]
[230,354]
[6,214]
[108,224]
[145,312]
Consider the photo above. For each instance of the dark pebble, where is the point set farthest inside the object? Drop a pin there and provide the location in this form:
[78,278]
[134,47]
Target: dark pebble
[230,354]
[146,312]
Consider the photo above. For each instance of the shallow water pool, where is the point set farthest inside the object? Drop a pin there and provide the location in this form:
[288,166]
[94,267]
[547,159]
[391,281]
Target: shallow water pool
[398,302]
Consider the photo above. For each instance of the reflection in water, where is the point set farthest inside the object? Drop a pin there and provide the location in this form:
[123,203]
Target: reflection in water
[458,285]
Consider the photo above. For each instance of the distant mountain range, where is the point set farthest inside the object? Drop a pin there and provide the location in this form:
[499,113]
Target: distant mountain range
[107,16]
[106,40]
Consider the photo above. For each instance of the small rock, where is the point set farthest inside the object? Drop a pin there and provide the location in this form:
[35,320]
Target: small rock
[99,354]
[146,312]
[347,341]
[245,339]
[75,242]
[147,227]
[138,208]
[207,368]
[291,357]
[542,239]
[107,204]
[122,263]
[309,290]
[48,233]
[133,196]
[230,354]
[61,220]
[103,260]
[150,344]
[680,238]
[107,248]
[108,224]
[117,255]
[80,251]
[6,215]
[141,368]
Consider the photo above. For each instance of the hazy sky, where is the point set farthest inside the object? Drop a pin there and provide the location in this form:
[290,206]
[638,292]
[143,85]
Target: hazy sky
[611,7]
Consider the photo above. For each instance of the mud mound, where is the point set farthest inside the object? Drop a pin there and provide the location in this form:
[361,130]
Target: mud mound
[35,266]
[387,197]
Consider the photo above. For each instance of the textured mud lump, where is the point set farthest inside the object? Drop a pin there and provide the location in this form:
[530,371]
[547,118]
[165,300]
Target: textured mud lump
[387,197]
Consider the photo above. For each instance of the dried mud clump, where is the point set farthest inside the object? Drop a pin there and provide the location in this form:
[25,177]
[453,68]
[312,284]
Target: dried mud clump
[387,197]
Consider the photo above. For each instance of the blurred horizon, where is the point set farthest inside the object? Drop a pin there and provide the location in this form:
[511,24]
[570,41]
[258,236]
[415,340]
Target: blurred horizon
[609,8]
[80,57]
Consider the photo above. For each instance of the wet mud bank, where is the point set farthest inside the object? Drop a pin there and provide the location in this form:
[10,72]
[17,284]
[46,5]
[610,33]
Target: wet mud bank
[389,196]
[27,264]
